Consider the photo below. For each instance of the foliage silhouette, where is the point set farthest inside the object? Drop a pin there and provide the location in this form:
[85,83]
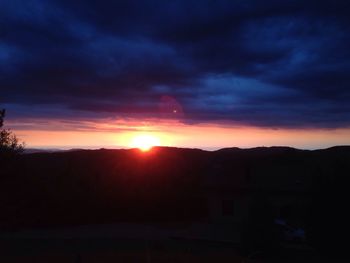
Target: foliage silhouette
[2,115]
[9,142]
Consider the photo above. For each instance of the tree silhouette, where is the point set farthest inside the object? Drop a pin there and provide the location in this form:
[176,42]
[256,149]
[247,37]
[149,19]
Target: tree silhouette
[9,143]
[2,115]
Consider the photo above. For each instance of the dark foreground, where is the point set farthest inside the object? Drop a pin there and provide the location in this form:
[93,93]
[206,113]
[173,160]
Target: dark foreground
[289,205]
[103,250]
[136,243]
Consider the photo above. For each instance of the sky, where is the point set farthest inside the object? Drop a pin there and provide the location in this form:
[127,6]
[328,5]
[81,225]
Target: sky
[206,74]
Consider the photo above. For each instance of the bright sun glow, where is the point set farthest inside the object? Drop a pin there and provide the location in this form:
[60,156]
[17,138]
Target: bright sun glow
[145,142]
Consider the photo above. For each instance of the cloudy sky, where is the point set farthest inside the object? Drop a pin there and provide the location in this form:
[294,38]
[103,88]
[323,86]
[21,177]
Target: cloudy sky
[195,73]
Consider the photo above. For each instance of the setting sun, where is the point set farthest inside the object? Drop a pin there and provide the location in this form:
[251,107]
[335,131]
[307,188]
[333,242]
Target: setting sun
[145,142]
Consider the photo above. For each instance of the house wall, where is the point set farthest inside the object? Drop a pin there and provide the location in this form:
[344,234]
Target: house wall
[228,208]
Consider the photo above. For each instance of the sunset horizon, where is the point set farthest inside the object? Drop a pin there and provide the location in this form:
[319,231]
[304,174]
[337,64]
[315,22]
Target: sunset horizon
[191,74]
[93,135]
[214,131]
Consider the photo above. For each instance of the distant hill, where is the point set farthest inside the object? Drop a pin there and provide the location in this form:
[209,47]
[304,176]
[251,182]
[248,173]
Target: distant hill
[37,150]
[87,186]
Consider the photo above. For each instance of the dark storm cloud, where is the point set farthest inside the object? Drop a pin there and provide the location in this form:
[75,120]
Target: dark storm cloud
[271,63]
